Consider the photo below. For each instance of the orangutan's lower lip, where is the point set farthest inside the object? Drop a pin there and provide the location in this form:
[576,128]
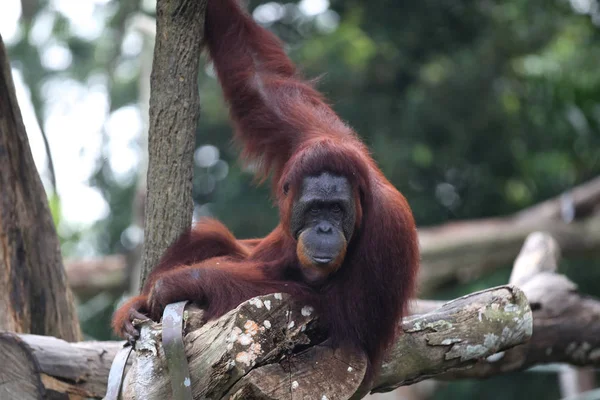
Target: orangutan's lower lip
[322,260]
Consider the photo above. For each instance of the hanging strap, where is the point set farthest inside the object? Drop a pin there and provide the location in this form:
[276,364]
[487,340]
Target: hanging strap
[117,370]
[172,340]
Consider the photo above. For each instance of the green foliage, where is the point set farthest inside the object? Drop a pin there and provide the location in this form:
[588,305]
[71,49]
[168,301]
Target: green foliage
[471,109]
[54,205]
[511,386]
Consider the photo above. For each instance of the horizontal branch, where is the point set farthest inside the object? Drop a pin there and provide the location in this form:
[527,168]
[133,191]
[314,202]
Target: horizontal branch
[462,251]
[268,347]
[566,329]
[457,251]
[251,349]
[88,277]
[566,324]
[456,335]
[38,367]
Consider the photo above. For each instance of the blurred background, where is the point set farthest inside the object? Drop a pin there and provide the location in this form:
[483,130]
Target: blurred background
[472,109]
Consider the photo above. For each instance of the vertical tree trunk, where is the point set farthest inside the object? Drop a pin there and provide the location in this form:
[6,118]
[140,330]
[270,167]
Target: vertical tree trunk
[34,296]
[174,113]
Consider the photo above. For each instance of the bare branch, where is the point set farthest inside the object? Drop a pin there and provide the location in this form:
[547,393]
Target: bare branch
[256,347]
[463,251]
[269,347]
[456,335]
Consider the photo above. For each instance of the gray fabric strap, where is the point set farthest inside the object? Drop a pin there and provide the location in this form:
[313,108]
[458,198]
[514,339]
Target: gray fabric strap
[172,340]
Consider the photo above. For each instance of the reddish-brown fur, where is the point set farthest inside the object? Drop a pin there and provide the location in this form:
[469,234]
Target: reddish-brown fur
[285,127]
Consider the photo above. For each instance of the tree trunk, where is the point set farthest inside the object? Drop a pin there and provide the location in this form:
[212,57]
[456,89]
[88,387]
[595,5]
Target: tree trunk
[174,113]
[34,296]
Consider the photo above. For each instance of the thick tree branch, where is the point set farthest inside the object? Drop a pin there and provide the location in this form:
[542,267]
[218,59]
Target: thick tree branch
[40,367]
[480,323]
[566,324]
[270,348]
[448,339]
[268,341]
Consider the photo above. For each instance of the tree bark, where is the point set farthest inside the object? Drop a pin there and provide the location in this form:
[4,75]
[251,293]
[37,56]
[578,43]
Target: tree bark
[174,113]
[34,296]
[566,324]
[270,348]
[39,367]
[251,350]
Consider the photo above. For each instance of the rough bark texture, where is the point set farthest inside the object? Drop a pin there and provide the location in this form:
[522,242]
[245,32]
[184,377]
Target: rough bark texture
[174,113]
[456,335]
[36,366]
[22,380]
[34,296]
[269,348]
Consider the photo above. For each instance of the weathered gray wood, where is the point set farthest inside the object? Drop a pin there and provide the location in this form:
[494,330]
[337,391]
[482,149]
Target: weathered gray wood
[248,352]
[174,113]
[540,253]
[34,296]
[222,351]
[33,364]
[86,363]
[20,379]
[317,373]
[253,351]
